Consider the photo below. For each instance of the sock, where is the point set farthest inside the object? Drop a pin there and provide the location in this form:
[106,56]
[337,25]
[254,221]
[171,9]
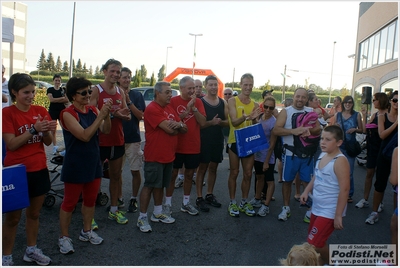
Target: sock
[142,215]
[168,200]
[157,210]
[186,199]
[86,232]
[243,201]
[233,201]
[121,199]
[180,176]
[113,209]
[308,213]
[30,249]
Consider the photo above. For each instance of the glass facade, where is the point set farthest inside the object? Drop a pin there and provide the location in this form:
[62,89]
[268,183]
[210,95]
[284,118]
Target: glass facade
[379,48]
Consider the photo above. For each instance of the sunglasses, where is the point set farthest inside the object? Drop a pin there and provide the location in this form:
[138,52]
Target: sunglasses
[84,93]
[349,102]
[395,100]
[271,108]
[227,93]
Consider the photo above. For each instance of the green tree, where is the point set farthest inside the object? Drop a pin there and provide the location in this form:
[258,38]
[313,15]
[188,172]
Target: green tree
[84,69]
[97,71]
[73,66]
[143,73]
[175,81]
[58,65]
[79,68]
[152,80]
[41,65]
[91,70]
[50,64]
[137,80]
[161,73]
[65,67]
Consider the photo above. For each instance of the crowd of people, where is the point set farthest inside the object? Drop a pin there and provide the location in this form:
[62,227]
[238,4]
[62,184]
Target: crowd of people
[187,134]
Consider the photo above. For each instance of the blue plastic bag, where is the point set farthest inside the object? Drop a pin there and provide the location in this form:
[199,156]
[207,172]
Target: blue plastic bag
[250,139]
[15,188]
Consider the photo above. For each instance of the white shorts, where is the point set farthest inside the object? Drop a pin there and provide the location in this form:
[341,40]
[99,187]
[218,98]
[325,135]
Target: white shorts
[134,155]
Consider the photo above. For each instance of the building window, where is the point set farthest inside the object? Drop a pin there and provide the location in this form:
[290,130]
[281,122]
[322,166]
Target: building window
[379,48]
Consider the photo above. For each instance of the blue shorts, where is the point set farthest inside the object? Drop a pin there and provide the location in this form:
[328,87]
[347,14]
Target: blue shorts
[294,164]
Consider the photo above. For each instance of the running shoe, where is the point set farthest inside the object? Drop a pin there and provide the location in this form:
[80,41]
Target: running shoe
[179,182]
[162,218]
[263,211]
[189,208]
[94,225]
[201,204]
[117,216]
[7,261]
[372,218]
[167,210]
[256,202]
[362,204]
[55,150]
[121,203]
[285,214]
[36,256]
[90,236]
[233,210]
[144,225]
[211,200]
[65,245]
[307,217]
[247,209]
[133,206]
[380,208]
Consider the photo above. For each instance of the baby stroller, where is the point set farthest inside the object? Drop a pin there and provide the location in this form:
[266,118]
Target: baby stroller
[57,190]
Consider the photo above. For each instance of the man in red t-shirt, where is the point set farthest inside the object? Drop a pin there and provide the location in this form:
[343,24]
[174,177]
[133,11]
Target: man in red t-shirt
[192,113]
[162,125]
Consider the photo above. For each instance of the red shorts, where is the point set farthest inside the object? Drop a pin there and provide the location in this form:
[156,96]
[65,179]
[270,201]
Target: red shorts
[319,230]
[72,192]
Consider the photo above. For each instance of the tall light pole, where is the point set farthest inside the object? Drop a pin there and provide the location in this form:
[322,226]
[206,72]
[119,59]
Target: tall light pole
[194,54]
[330,86]
[284,81]
[72,42]
[166,62]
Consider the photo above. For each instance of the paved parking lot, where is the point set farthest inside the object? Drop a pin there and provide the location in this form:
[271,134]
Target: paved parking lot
[212,238]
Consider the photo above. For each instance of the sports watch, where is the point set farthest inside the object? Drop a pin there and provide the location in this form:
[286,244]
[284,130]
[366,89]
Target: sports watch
[33,130]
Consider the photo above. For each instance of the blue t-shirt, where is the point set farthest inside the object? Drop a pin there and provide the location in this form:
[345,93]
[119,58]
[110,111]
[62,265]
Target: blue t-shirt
[131,128]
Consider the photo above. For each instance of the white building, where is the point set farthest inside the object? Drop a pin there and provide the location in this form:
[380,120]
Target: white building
[18,12]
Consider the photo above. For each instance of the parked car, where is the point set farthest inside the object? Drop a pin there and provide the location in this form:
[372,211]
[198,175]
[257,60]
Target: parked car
[328,107]
[148,93]
[42,85]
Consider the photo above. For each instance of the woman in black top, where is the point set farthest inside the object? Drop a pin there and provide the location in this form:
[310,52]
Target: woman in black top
[58,100]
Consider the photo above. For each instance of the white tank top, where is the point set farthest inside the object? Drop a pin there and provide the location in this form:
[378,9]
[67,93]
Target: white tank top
[326,190]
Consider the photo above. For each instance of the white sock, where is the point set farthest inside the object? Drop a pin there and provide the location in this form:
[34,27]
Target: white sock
[157,210]
[168,200]
[113,209]
[142,215]
[186,199]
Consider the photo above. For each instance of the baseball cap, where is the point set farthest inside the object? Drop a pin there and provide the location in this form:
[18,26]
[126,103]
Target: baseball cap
[265,92]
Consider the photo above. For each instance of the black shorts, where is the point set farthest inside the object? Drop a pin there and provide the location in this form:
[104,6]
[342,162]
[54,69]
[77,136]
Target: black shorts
[38,182]
[54,114]
[111,152]
[191,161]
[233,148]
[268,174]
[211,153]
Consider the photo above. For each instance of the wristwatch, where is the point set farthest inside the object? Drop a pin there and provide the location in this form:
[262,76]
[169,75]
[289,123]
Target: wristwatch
[129,104]
[33,130]
[194,109]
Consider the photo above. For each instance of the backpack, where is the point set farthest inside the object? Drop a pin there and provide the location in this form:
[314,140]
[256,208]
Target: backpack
[304,147]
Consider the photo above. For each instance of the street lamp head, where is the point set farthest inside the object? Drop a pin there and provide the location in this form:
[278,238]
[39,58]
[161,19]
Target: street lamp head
[169,47]
[195,34]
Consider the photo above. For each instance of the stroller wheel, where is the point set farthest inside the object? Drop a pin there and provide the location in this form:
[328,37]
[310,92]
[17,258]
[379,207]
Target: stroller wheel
[49,201]
[102,199]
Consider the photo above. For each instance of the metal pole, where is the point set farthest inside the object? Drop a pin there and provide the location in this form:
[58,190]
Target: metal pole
[330,86]
[166,63]
[284,82]
[194,54]
[72,42]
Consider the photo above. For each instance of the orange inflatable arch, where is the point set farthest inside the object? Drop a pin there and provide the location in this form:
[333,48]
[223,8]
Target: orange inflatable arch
[189,71]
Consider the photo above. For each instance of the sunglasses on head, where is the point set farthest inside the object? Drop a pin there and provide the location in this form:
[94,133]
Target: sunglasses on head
[271,108]
[85,92]
[395,100]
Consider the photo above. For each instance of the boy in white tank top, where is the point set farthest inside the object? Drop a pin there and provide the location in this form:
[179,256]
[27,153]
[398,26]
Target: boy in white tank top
[330,187]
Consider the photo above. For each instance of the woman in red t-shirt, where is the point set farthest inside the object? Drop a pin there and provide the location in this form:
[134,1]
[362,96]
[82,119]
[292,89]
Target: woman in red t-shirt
[25,128]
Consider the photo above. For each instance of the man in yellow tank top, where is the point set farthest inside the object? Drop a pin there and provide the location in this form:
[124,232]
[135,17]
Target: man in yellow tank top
[242,113]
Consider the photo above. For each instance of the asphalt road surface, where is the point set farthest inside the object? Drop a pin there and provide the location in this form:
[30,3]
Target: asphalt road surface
[212,238]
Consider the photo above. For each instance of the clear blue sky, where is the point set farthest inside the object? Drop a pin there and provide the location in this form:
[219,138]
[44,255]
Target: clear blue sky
[259,37]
